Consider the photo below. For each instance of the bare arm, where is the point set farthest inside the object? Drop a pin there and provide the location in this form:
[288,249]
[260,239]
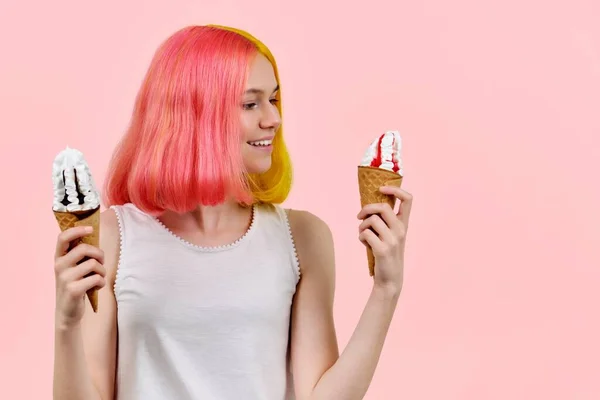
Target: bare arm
[314,347]
[351,375]
[319,373]
[85,351]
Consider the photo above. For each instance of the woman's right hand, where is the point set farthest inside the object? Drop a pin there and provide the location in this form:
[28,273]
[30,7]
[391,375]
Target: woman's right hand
[73,277]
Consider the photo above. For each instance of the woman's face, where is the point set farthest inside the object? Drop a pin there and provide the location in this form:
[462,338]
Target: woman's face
[260,118]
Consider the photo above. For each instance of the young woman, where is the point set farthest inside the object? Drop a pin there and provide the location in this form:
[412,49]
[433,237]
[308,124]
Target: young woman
[209,288]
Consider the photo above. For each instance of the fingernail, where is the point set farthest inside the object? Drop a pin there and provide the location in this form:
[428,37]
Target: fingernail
[88,229]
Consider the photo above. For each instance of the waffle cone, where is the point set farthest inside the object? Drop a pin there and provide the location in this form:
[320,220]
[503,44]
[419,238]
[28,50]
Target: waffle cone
[370,179]
[72,219]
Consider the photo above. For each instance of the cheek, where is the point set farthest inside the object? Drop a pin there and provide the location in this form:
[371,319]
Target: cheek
[246,124]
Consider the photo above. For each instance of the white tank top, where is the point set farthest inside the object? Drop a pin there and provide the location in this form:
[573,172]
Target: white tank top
[204,323]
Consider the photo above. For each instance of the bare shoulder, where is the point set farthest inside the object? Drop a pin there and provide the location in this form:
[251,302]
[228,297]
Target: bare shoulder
[109,221]
[110,241]
[305,222]
[313,239]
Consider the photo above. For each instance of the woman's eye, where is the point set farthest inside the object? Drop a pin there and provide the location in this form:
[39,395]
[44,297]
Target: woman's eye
[253,105]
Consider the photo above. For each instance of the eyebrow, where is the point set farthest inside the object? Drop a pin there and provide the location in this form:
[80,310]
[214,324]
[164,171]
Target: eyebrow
[259,91]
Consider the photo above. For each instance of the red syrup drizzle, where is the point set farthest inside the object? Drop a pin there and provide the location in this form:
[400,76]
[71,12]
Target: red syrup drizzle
[377,161]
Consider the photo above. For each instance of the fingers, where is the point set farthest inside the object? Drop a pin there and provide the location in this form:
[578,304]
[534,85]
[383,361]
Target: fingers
[77,254]
[397,192]
[384,210]
[368,237]
[378,226]
[78,280]
[82,270]
[69,235]
[76,289]
[406,200]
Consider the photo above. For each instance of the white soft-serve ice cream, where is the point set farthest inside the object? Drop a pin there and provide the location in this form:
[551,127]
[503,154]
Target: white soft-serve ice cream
[74,188]
[385,153]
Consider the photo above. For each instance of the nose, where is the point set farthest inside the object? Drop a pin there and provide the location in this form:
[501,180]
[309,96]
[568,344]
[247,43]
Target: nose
[271,119]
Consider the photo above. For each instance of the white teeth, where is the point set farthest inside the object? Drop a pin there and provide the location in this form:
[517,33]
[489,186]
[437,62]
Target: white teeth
[261,143]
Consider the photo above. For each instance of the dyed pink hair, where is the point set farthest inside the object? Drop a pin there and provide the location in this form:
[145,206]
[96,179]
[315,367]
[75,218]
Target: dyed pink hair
[183,145]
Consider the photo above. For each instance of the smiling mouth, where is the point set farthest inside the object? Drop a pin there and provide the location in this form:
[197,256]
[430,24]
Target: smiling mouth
[261,143]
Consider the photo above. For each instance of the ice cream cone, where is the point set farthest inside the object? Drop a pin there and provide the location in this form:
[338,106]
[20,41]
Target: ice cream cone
[70,219]
[370,179]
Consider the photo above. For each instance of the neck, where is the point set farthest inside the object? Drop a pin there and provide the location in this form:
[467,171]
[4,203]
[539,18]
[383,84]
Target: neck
[219,217]
[210,220]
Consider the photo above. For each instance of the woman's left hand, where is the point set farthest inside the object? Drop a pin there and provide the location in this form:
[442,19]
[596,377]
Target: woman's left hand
[387,236]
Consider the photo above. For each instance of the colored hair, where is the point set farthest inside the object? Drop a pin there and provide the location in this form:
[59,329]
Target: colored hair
[183,145]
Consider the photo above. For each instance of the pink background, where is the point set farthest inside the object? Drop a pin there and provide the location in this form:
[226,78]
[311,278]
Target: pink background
[498,104]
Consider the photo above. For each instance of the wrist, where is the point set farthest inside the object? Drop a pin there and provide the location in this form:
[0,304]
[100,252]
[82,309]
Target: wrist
[387,291]
[63,326]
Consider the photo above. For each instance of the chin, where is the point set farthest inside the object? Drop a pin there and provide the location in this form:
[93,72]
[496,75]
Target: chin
[258,167]
[257,161]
